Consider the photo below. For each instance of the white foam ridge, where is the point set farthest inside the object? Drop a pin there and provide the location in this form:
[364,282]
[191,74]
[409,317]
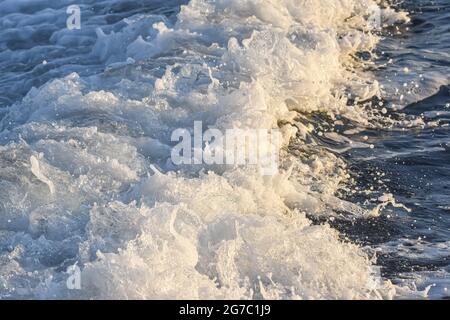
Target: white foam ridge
[86,175]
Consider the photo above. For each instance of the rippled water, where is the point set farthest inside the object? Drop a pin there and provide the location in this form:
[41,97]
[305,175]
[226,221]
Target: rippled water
[413,161]
[85,171]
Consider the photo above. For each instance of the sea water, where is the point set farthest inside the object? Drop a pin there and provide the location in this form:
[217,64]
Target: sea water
[92,205]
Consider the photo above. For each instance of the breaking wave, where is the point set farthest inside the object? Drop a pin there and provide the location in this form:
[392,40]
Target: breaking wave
[86,176]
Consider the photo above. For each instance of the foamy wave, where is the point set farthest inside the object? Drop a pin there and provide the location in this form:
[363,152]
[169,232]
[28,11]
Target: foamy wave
[138,226]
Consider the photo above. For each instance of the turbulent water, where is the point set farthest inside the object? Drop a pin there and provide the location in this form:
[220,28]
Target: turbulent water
[358,210]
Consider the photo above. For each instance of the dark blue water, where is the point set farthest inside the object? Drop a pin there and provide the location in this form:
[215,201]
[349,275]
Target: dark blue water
[414,162]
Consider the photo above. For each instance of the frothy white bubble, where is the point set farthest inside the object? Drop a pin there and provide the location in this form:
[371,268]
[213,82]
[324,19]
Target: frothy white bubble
[141,227]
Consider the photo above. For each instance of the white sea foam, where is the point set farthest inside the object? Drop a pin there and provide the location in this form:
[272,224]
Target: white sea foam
[86,176]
